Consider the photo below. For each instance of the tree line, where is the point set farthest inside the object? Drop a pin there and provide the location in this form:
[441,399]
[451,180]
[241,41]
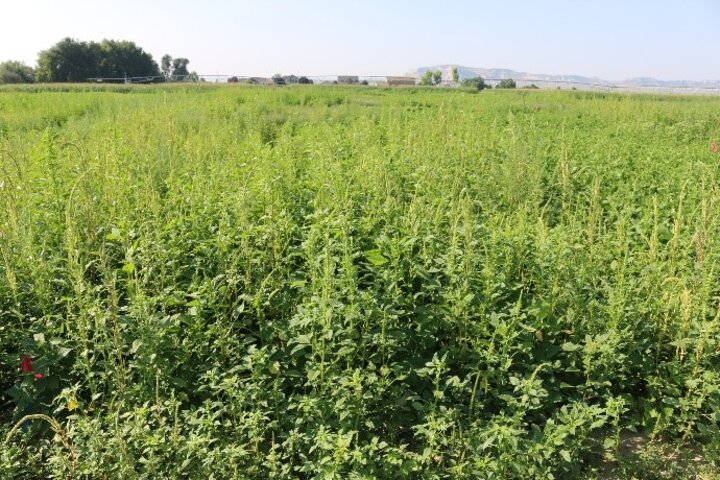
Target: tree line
[434,78]
[72,60]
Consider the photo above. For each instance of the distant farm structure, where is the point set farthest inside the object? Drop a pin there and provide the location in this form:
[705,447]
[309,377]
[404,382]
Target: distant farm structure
[375,81]
[397,82]
[410,81]
[278,79]
[387,81]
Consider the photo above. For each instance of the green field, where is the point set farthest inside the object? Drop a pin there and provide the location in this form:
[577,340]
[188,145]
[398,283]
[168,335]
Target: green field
[357,283]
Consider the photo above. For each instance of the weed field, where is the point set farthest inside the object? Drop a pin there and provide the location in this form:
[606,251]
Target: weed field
[314,282]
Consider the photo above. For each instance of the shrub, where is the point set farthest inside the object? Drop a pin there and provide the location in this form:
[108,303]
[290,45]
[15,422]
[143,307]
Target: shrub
[477,83]
[16,72]
[506,83]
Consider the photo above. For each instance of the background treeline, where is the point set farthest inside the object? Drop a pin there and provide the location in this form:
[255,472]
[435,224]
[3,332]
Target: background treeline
[72,60]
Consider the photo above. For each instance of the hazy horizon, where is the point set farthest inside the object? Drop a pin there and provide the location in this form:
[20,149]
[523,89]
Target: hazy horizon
[608,40]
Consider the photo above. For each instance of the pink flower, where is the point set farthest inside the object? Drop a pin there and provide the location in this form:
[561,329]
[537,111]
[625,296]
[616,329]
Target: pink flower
[714,147]
[38,376]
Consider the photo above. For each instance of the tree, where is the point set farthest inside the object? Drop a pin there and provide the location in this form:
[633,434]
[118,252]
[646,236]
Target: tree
[166,65]
[305,81]
[179,68]
[124,59]
[70,60]
[175,69]
[506,83]
[16,72]
[427,78]
[278,79]
[437,77]
[431,78]
[477,83]
[454,74]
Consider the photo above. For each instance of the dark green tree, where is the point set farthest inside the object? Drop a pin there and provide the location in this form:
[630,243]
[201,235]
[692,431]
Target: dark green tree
[437,77]
[16,72]
[166,65]
[477,83]
[179,68]
[506,83]
[123,58]
[68,60]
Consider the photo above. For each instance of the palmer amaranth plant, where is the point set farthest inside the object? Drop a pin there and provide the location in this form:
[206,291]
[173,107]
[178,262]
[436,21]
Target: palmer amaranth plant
[351,283]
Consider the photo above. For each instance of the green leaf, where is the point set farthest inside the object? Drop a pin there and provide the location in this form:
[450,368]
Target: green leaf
[571,347]
[566,455]
[113,235]
[128,268]
[375,257]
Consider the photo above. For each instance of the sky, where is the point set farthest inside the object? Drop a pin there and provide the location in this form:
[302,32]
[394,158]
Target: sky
[610,39]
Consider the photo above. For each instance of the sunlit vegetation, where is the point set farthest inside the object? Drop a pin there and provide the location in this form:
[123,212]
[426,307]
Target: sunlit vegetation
[355,283]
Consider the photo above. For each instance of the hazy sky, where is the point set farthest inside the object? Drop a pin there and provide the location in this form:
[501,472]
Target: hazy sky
[612,39]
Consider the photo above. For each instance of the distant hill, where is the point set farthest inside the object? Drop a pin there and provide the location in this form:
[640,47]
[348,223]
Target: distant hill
[579,81]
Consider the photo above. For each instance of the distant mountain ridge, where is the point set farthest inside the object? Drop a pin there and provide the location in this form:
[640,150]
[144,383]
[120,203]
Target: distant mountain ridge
[524,78]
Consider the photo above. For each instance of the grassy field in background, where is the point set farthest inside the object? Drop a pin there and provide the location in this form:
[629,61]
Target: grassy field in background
[357,283]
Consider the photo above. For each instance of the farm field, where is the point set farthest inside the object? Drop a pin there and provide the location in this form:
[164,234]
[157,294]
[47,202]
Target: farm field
[357,283]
